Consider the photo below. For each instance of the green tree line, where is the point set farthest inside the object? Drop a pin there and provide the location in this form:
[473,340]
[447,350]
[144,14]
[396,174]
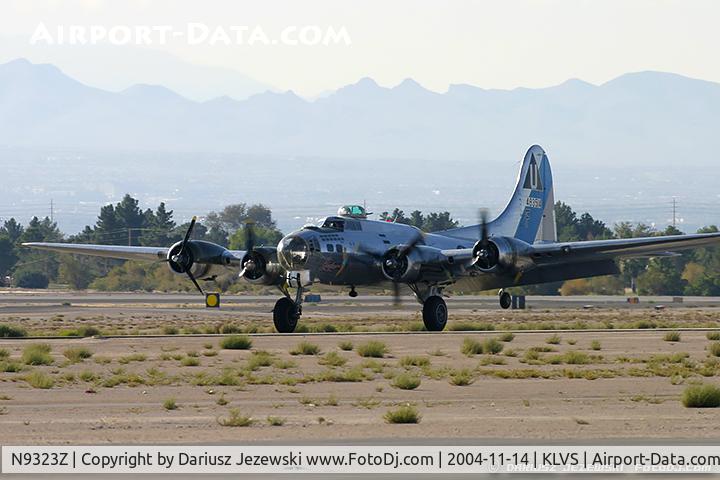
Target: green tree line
[696,272]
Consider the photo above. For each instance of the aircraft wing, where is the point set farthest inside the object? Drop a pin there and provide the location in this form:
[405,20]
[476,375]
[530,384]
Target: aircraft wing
[568,252]
[148,254]
[107,251]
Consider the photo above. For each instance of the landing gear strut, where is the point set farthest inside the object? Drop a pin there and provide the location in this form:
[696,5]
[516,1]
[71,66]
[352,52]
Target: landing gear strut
[505,299]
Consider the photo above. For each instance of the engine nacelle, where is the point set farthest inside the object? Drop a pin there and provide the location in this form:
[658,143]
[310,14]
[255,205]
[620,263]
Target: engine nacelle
[502,254]
[404,267]
[203,259]
[261,266]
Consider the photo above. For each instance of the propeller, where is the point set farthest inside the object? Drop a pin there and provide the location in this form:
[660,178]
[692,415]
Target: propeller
[485,252]
[183,260]
[252,263]
[396,262]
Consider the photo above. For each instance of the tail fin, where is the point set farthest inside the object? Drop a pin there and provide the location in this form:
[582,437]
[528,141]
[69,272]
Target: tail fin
[530,214]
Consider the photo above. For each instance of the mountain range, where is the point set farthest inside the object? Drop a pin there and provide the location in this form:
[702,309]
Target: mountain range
[654,117]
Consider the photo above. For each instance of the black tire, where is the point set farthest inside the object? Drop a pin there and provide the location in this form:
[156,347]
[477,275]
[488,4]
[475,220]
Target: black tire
[435,314]
[505,300]
[285,315]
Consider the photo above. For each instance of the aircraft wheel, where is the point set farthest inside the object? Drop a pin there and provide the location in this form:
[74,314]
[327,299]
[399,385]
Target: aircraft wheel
[285,315]
[435,314]
[505,300]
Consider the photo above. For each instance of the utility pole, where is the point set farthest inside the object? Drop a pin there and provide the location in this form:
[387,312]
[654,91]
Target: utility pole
[674,211]
[52,211]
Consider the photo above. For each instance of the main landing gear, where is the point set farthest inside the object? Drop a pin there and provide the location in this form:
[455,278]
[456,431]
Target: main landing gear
[287,311]
[505,299]
[435,312]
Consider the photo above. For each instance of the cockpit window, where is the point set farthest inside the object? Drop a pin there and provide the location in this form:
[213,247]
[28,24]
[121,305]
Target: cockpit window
[335,224]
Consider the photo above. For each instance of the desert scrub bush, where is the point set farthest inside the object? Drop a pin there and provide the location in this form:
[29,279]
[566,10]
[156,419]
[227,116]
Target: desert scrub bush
[595,345]
[258,359]
[87,376]
[305,348]
[209,353]
[10,367]
[471,347]
[352,375]
[345,345]
[170,404]
[571,357]
[672,336]
[190,362]
[373,348]
[492,346]
[709,335]
[170,330]
[414,361]
[77,354]
[701,396]
[403,414]
[235,419]
[554,340]
[333,359]
[236,342]
[492,360]
[471,327]
[4,353]
[506,337]
[369,403]
[83,331]
[275,421]
[38,379]
[133,357]
[11,331]
[541,349]
[461,378]
[714,349]
[571,341]
[283,364]
[37,354]
[405,381]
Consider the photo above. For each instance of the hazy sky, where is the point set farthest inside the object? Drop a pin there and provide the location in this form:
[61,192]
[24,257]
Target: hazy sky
[493,44]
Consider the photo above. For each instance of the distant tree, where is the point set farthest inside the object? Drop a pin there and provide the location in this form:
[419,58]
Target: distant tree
[75,271]
[8,257]
[417,219]
[159,227]
[130,218]
[12,229]
[263,236]
[261,215]
[439,221]
[570,228]
[108,228]
[31,279]
[566,222]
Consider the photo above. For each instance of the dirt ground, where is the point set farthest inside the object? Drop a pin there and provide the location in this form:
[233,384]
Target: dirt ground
[627,386]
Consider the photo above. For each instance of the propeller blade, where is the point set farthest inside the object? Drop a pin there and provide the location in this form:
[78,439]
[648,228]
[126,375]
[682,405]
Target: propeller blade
[413,243]
[249,235]
[197,285]
[483,227]
[396,294]
[189,232]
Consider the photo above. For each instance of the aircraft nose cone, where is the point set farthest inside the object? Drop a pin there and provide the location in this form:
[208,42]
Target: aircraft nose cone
[293,252]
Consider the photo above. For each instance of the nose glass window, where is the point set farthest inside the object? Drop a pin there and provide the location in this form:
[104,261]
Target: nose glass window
[294,252]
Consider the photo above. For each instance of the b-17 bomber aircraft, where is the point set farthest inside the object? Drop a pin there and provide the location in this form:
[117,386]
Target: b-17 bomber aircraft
[519,247]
